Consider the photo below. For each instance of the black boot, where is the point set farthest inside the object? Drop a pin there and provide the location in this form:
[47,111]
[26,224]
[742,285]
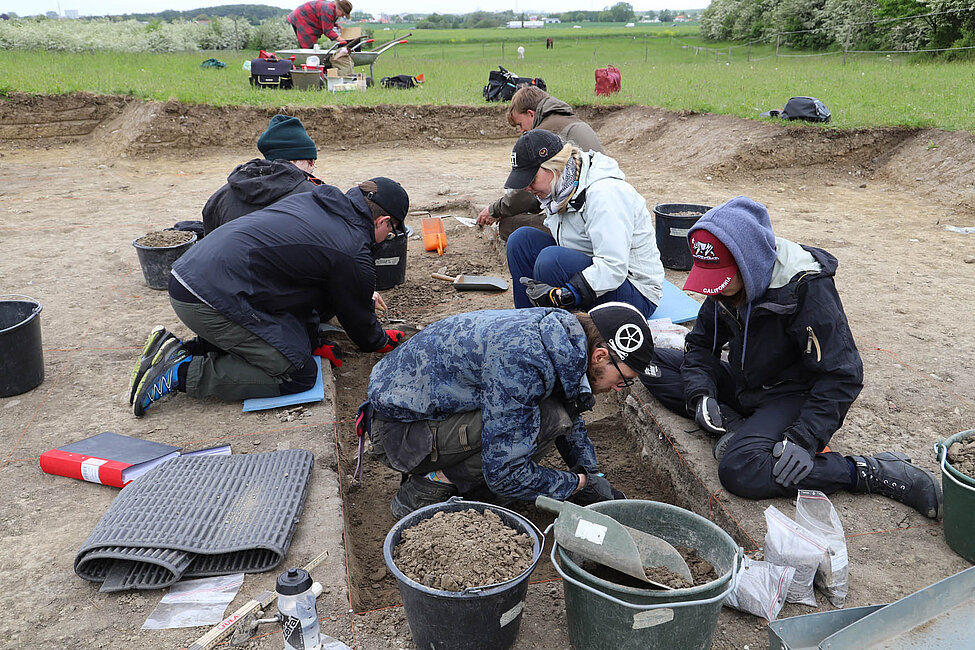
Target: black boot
[892,475]
[417,492]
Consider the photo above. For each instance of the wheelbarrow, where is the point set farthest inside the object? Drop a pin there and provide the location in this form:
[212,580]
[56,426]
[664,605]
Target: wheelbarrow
[359,57]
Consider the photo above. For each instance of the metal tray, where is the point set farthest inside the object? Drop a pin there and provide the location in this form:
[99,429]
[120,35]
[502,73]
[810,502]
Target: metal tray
[807,631]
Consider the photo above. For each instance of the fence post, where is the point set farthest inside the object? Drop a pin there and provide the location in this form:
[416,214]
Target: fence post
[777,38]
[502,50]
[749,59]
[846,45]
[729,54]
[646,50]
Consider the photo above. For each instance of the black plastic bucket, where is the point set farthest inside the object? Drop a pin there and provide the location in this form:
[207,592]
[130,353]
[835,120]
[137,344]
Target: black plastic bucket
[157,261]
[483,618]
[390,258]
[671,228]
[21,356]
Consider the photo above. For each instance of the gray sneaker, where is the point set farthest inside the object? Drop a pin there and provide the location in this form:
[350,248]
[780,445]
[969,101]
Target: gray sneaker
[154,342]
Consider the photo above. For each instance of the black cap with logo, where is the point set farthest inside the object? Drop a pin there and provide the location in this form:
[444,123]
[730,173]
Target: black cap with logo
[392,198]
[626,332]
[532,149]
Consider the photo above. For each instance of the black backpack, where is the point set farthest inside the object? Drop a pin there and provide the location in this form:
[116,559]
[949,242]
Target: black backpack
[808,109]
[399,81]
[502,85]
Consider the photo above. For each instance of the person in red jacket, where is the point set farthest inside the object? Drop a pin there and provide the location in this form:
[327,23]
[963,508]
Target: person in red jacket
[315,18]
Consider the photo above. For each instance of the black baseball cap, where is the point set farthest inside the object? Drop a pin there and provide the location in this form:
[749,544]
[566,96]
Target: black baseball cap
[391,197]
[532,149]
[626,332]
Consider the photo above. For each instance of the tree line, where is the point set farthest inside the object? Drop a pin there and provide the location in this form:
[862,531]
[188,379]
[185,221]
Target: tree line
[867,25]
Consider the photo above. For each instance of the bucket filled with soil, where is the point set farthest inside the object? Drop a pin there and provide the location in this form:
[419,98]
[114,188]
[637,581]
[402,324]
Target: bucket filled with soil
[957,458]
[608,609]
[21,355]
[671,223]
[157,252]
[462,569]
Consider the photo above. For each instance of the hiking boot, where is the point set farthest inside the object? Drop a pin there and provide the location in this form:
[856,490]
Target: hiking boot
[892,475]
[154,341]
[721,445]
[161,378]
[417,492]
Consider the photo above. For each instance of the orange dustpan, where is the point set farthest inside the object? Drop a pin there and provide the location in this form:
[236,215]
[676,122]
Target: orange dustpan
[434,237]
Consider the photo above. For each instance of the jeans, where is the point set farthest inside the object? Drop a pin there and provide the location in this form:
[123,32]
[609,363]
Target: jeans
[533,254]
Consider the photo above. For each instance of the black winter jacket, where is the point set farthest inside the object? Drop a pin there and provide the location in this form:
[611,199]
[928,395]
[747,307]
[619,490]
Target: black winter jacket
[798,341]
[252,186]
[269,270]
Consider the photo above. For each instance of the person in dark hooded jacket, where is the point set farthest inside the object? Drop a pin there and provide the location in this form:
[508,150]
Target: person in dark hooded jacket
[533,108]
[252,291]
[286,169]
[792,373]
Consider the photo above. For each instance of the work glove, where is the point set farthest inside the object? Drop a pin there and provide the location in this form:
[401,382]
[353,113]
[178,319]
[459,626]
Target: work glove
[329,350]
[597,489]
[393,339]
[545,295]
[708,416]
[794,463]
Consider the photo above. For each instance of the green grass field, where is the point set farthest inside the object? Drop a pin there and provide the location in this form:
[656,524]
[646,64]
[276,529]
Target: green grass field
[660,65]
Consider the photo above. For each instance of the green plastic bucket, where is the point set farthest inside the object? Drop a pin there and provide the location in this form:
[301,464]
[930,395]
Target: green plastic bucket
[602,614]
[959,500]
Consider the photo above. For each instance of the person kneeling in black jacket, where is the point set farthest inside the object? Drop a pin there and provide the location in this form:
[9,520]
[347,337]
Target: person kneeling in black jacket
[253,289]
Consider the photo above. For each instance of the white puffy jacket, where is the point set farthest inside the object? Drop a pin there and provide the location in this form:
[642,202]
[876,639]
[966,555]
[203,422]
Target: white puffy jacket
[614,227]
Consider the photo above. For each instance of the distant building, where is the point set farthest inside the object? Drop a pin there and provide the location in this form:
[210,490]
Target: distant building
[71,14]
[53,15]
[527,24]
[552,21]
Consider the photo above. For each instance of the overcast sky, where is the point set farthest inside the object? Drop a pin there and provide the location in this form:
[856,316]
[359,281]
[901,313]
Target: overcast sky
[115,7]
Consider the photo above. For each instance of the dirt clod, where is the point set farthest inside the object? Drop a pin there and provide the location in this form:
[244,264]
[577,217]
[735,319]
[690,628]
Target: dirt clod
[453,551]
[165,238]
[961,455]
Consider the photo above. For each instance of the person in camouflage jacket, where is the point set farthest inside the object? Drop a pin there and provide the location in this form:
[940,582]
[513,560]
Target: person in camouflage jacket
[315,18]
[473,402]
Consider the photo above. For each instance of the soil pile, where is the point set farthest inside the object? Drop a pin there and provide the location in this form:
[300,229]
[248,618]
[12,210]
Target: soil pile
[702,572]
[961,455]
[164,238]
[453,551]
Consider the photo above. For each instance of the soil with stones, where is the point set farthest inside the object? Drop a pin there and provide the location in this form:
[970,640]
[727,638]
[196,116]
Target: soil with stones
[454,551]
[164,238]
[961,455]
[702,572]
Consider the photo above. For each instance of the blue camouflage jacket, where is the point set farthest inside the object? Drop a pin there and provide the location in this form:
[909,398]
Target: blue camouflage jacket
[503,362]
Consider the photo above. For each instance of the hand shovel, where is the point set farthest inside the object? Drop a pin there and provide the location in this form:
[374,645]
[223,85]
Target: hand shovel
[473,282]
[606,541]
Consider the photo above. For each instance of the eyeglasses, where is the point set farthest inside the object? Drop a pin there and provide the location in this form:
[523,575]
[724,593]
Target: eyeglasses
[626,381]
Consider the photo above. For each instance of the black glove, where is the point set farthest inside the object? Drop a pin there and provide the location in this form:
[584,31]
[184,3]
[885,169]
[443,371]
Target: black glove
[597,489]
[545,295]
[708,415]
[794,463]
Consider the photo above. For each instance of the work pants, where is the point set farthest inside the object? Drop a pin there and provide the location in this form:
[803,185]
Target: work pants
[534,254]
[453,446]
[746,467]
[234,363]
[507,225]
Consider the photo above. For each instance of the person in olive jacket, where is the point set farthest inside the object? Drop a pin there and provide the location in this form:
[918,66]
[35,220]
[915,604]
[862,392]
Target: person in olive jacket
[286,169]
[253,291]
[533,108]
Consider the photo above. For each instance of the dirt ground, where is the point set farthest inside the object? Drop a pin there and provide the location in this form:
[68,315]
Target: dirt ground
[83,176]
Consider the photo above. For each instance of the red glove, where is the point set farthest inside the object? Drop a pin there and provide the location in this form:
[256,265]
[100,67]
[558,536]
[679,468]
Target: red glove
[330,351]
[393,338]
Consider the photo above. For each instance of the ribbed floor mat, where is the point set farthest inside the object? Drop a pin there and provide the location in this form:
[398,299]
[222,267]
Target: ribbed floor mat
[198,516]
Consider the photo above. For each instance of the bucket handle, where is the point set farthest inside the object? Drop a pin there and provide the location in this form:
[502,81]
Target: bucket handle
[941,451]
[739,558]
[37,305]
[541,543]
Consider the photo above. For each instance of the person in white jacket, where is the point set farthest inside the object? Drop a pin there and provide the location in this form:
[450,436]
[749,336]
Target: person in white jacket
[602,245]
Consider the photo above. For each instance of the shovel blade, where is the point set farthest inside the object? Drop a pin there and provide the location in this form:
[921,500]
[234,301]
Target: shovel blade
[479,283]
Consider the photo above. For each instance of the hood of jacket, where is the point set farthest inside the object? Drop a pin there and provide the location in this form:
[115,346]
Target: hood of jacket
[548,107]
[596,167]
[744,227]
[262,182]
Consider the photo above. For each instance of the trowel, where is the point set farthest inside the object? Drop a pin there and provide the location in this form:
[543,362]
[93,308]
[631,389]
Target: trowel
[606,541]
[473,282]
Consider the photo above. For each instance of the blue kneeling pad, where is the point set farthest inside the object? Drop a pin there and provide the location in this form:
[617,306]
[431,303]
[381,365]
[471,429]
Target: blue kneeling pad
[676,305]
[314,394]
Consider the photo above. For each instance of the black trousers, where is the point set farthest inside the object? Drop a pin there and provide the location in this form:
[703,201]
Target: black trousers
[746,468]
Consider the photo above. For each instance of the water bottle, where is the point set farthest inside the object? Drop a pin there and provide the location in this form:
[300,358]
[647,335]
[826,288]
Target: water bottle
[296,603]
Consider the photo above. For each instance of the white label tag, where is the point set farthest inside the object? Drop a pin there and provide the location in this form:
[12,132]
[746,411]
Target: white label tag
[387,261]
[679,232]
[89,469]
[652,617]
[590,531]
[839,559]
[512,613]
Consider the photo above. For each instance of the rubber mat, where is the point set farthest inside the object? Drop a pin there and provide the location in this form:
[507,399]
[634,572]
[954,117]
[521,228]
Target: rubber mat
[193,517]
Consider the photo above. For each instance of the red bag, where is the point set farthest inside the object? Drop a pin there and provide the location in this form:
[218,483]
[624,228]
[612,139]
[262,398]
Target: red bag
[609,80]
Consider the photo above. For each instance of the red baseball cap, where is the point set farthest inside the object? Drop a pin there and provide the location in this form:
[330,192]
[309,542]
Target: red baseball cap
[714,265]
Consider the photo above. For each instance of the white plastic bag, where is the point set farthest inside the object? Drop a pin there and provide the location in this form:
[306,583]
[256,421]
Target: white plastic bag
[667,334]
[190,603]
[789,544]
[815,512]
[761,589]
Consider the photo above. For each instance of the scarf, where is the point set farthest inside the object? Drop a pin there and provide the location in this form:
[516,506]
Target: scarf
[565,187]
